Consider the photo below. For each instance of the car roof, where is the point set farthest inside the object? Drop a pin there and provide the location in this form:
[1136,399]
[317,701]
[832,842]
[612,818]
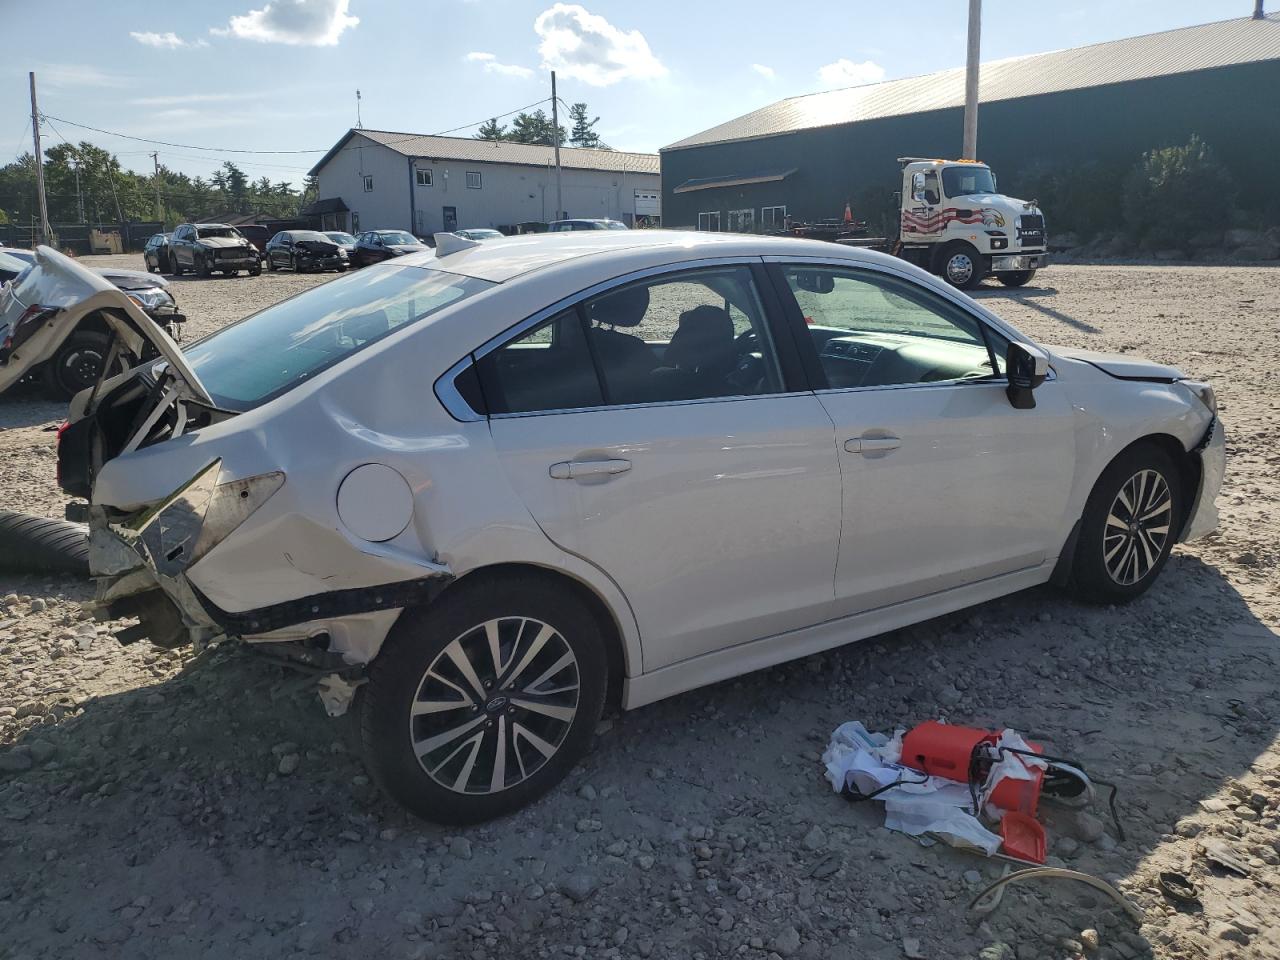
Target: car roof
[201,226]
[501,260]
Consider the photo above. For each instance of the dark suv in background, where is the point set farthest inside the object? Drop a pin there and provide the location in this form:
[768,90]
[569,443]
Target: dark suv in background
[207,248]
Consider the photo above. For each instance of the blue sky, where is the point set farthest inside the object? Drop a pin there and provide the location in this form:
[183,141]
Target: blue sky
[282,75]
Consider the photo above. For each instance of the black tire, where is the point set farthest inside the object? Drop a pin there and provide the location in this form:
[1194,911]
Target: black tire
[76,364]
[269,263]
[417,645]
[42,545]
[961,265]
[255,271]
[202,268]
[1015,278]
[1101,570]
[175,268]
[294,263]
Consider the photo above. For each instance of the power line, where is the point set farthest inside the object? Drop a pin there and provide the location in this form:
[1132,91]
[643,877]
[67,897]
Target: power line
[189,146]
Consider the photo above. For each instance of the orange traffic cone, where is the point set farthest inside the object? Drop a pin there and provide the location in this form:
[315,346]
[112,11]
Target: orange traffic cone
[848,213]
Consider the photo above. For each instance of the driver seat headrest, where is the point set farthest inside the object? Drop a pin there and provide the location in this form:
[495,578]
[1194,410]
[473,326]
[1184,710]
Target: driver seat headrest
[625,308]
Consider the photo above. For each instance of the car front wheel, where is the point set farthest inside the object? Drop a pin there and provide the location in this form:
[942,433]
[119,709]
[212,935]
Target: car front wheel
[483,701]
[1129,525]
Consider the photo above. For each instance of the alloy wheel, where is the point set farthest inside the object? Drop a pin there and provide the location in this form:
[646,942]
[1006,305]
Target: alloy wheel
[959,268]
[1137,527]
[495,705]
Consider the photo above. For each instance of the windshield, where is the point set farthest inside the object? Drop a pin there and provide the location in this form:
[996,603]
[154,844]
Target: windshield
[310,235]
[396,238]
[339,237]
[229,232]
[262,356]
[967,180]
[615,225]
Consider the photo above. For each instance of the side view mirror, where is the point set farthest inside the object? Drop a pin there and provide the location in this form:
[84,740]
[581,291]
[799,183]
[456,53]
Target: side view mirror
[1026,367]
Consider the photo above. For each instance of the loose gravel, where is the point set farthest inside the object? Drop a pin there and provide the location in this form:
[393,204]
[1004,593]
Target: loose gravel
[160,804]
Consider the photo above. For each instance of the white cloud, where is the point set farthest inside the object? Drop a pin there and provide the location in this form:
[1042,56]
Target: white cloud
[588,47]
[766,72]
[187,98]
[169,40]
[846,73]
[63,75]
[492,65]
[299,23]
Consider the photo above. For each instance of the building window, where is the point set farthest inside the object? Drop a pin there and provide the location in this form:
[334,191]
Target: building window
[742,221]
[423,177]
[709,221]
[473,179]
[368,184]
[773,217]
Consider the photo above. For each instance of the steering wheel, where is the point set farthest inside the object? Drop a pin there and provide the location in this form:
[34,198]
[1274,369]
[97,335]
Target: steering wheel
[746,342]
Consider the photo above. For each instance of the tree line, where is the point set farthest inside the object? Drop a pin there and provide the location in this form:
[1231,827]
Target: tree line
[107,192]
[537,127]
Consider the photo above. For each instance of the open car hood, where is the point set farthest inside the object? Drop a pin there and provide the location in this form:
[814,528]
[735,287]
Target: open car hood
[1122,366]
[68,292]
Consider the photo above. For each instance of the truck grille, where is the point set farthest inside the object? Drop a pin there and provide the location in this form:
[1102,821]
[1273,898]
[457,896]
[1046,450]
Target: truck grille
[1031,233]
[232,253]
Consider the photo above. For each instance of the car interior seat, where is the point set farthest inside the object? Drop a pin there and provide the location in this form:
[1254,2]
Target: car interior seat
[625,360]
[701,355]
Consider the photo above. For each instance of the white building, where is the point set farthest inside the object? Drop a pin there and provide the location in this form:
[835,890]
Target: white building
[376,180]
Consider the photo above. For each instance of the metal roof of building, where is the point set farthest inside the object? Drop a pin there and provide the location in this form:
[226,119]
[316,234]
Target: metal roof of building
[1184,50]
[500,151]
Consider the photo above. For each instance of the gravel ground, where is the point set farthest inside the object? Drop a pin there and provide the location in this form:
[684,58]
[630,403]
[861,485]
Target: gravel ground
[159,804]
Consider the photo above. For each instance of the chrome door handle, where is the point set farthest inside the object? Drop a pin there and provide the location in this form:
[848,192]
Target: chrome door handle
[866,445]
[577,469]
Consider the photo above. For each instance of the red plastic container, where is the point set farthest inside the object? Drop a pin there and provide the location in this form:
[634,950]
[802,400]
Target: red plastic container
[943,750]
[1023,837]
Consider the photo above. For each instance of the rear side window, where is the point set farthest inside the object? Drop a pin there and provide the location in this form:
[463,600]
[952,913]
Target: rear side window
[695,335]
[262,356]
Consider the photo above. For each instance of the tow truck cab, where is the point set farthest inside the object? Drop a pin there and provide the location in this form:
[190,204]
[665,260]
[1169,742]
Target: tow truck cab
[954,223]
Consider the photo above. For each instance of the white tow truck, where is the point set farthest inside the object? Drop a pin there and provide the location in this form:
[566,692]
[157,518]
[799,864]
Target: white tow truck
[953,223]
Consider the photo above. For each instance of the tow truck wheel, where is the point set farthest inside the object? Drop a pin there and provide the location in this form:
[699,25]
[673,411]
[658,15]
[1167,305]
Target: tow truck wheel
[1016,278]
[962,266]
[485,699]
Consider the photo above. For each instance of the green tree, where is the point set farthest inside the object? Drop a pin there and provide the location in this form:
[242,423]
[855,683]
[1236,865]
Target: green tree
[492,130]
[534,127]
[1176,192]
[583,133]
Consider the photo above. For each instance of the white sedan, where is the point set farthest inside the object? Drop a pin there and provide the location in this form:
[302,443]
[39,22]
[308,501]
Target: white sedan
[495,488]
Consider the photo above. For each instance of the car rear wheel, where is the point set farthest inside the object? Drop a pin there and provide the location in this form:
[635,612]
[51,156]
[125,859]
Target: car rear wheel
[1016,278]
[77,364]
[1129,525]
[484,700]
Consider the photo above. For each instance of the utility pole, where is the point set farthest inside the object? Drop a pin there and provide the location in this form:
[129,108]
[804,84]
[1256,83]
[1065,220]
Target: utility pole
[359,122]
[155,157]
[79,197]
[970,150]
[555,138]
[1258,14]
[46,235]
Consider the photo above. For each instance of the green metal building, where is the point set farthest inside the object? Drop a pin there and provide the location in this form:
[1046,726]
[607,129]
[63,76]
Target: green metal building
[1095,108]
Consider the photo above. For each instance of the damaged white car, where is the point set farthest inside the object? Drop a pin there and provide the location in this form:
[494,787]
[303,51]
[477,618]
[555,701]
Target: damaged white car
[493,488]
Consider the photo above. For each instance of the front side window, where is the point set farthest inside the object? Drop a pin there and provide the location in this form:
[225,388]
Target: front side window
[693,335]
[473,179]
[262,356]
[709,221]
[875,330]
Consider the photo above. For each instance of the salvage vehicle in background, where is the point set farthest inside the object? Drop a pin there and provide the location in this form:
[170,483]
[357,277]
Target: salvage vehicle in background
[156,253]
[495,487]
[207,248]
[47,332]
[256,234]
[479,233]
[343,239]
[568,226]
[304,250]
[374,246]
